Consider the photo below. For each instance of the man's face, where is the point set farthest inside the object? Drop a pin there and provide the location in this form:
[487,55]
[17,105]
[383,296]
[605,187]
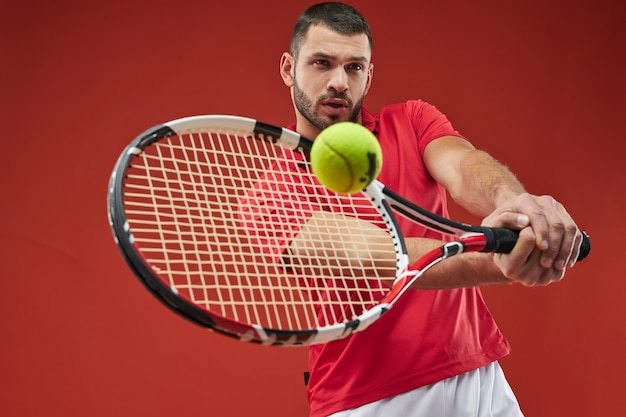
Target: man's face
[329,79]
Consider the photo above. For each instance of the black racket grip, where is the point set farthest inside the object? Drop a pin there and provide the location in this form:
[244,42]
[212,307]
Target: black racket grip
[502,240]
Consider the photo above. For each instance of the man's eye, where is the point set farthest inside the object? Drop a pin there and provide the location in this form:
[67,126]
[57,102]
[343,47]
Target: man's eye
[355,67]
[321,62]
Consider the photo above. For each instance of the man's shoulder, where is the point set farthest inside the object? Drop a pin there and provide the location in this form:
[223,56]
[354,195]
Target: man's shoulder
[410,107]
[408,104]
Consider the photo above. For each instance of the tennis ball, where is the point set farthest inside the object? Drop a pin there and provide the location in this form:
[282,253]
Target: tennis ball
[346,157]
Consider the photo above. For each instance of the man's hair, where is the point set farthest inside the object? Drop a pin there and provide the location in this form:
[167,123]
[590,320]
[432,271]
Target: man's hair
[337,16]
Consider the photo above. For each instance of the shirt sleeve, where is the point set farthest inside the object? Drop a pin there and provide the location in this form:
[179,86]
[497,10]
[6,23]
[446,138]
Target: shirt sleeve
[429,123]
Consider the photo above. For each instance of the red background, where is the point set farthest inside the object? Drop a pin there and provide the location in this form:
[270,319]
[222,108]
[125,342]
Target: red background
[538,83]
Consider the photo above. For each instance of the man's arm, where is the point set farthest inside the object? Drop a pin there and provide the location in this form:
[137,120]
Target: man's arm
[375,256]
[549,238]
[484,187]
[473,178]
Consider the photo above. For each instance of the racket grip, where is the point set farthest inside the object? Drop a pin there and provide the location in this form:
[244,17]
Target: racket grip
[502,240]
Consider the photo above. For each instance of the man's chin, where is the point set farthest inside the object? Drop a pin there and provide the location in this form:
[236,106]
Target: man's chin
[331,119]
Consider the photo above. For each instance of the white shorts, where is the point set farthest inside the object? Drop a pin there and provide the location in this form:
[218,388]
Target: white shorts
[483,392]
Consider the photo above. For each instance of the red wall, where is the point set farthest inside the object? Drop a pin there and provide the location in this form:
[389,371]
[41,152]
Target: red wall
[539,83]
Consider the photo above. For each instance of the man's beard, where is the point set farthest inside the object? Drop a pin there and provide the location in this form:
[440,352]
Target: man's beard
[307,108]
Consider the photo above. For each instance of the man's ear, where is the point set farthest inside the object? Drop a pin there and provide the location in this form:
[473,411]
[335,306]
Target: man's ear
[287,67]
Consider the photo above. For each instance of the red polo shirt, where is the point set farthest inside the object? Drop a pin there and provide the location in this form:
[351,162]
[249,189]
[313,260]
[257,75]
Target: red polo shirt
[429,335]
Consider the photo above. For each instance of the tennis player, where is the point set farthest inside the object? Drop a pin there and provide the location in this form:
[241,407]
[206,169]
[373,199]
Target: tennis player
[436,352]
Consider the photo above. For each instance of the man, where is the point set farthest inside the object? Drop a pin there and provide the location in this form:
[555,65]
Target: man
[447,363]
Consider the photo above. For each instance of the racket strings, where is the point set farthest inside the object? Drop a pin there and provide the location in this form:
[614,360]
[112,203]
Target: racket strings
[208,210]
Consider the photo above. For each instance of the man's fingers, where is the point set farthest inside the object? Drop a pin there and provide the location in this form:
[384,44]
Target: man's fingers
[562,236]
[511,220]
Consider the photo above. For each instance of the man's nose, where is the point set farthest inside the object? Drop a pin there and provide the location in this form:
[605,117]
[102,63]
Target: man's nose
[338,80]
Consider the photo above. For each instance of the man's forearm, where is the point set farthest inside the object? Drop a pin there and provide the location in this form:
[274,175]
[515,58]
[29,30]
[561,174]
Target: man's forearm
[484,183]
[461,271]
[375,256]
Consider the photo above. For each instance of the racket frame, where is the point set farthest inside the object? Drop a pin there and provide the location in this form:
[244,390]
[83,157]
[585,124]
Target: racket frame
[384,200]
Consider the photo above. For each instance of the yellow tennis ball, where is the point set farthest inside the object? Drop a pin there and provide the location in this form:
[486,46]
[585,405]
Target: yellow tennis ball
[346,157]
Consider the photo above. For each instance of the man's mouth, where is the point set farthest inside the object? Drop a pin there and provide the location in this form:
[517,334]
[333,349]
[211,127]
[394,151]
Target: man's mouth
[335,105]
[335,102]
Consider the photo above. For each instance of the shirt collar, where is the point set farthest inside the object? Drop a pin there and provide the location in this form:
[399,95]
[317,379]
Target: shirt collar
[369,121]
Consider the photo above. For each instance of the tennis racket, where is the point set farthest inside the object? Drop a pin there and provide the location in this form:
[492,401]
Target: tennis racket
[204,210]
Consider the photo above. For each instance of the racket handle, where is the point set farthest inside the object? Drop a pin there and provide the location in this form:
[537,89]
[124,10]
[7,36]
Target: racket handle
[502,240]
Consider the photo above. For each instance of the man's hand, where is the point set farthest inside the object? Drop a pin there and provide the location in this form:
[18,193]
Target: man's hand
[549,239]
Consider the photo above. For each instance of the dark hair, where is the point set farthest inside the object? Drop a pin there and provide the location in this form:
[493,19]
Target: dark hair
[337,16]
